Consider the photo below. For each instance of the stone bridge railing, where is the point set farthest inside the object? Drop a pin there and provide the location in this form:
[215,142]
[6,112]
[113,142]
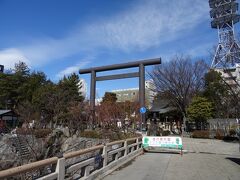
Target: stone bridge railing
[90,163]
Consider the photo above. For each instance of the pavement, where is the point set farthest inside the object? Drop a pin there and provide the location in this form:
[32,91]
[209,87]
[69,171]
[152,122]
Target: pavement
[211,146]
[206,159]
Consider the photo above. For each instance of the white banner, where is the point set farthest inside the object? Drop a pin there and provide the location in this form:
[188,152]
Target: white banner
[163,141]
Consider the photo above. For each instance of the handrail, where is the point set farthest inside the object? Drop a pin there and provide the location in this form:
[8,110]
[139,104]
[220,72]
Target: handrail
[116,150]
[80,152]
[55,160]
[131,139]
[115,142]
[27,167]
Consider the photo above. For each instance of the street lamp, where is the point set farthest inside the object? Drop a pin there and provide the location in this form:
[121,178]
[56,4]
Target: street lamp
[238,131]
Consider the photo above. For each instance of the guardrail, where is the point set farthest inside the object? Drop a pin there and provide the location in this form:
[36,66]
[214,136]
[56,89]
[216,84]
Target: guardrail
[97,161]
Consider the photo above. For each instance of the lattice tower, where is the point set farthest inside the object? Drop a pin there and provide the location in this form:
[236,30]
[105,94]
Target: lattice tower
[224,16]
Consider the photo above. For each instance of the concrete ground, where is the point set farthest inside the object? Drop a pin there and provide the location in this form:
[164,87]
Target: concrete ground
[206,159]
[212,146]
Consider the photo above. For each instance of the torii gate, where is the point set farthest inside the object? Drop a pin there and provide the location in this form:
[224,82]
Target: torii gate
[141,74]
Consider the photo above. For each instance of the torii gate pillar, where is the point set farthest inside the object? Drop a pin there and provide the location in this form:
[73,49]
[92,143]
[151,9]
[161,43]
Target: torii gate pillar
[141,74]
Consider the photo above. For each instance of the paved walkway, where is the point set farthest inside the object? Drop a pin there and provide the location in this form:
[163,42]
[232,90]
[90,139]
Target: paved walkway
[210,159]
[210,146]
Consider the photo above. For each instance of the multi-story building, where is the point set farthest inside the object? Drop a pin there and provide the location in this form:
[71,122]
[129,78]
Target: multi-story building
[1,68]
[127,94]
[82,88]
[150,93]
[132,94]
[98,101]
[231,75]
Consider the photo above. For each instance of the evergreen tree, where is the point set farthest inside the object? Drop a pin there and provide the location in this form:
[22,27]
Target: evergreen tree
[35,97]
[216,91]
[200,110]
[109,97]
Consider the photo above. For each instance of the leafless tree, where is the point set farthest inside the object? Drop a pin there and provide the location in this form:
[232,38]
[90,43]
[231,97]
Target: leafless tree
[108,113]
[78,117]
[179,80]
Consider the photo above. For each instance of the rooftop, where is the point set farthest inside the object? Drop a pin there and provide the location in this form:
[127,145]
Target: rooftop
[4,111]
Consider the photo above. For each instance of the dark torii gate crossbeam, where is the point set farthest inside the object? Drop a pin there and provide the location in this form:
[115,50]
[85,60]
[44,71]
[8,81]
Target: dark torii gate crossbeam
[141,74]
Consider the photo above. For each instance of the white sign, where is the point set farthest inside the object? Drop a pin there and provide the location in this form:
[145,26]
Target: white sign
[162,141]
[119,124]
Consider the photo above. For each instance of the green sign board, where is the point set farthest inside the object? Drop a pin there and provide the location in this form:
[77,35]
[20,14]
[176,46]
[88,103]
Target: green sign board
[162,142]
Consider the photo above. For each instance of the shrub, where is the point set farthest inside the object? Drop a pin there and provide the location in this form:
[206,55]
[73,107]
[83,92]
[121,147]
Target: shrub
[112,135]
[219,134]
[42,133]
[232,132]
[90,134]
[200,134]
[24,131]
[39,133]
[166,133]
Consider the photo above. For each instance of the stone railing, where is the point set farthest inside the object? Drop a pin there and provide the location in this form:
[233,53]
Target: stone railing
[90,163]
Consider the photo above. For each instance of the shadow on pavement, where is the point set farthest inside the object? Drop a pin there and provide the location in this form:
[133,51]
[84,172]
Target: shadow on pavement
[161,152]
[236,160]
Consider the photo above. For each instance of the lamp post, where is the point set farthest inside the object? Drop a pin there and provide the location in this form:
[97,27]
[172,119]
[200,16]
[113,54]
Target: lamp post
[238,131]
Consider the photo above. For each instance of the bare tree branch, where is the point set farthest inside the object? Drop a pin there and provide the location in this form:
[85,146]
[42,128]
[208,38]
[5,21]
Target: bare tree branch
[180,79]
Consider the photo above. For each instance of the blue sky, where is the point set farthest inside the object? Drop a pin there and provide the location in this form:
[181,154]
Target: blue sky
[59,37]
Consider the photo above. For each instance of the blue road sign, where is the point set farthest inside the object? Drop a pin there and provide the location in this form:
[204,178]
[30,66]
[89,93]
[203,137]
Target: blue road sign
[143,110]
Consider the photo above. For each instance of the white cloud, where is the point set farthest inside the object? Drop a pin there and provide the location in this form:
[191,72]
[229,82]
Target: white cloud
[8,57]
[151,23]
[72,69]
[144,25]
[201,50]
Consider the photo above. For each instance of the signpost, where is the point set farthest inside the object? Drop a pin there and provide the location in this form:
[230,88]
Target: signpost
[238,131]
[143,110]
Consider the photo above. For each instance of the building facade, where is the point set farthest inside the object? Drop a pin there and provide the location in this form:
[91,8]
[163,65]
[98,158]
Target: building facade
[8,119]
[132,94]
[231,75]
[82,88]
[1,68]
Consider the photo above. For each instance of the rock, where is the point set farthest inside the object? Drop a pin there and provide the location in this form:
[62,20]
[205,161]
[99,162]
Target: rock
[74,136]
[70,143]
[66,132]
[57,132]
[6,164]
[7,153]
